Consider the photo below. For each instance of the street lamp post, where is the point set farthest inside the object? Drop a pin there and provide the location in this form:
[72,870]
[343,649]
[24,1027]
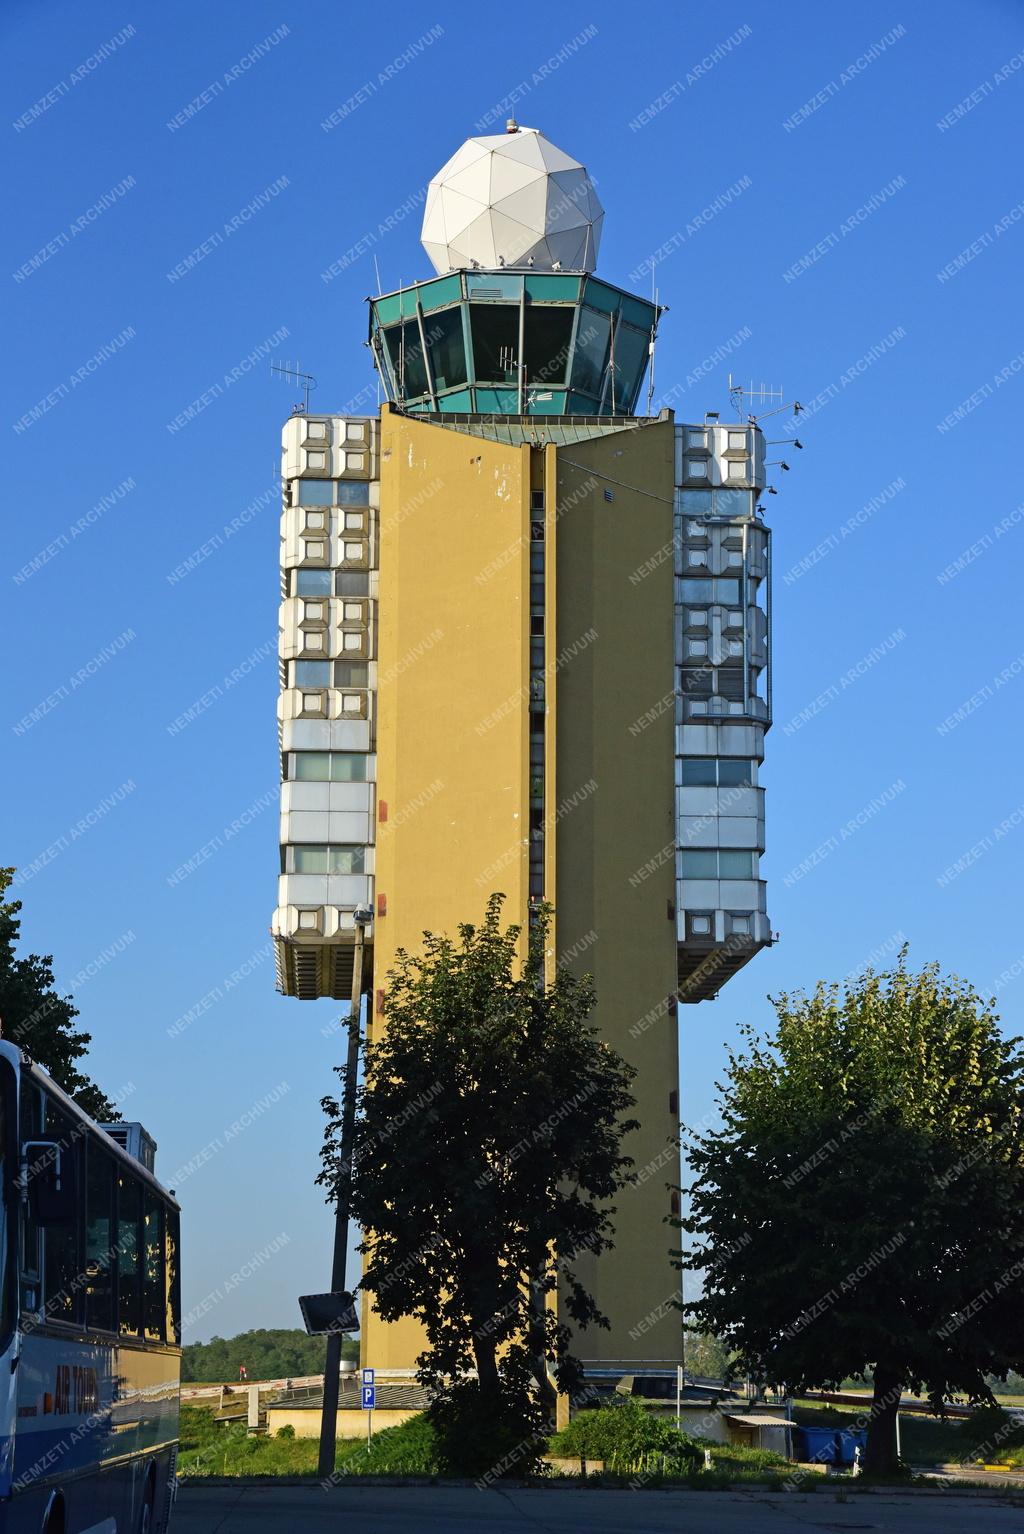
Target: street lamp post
[332,1363]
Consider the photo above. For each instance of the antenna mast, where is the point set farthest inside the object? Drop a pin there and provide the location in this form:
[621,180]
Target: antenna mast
[760,395]
[296,375]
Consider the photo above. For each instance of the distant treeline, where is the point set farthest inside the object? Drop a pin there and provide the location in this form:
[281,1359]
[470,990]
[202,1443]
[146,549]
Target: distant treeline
[267,1355]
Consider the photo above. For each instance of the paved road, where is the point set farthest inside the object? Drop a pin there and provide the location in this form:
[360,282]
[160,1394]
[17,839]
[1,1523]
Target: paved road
[458,1510]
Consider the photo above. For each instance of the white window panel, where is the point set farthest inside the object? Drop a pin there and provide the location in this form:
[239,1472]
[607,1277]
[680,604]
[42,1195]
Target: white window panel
[310,798]
[306,735]
[697,833]
[741,801]
[348,829]
[350,735]
[348,889]
[739,831]
[352,798]
[307,827]
[696,803]
[302,889]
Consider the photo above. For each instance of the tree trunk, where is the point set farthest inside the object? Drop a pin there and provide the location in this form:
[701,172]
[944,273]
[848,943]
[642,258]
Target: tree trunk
[880,1457]
[485,1354]
[546,1393]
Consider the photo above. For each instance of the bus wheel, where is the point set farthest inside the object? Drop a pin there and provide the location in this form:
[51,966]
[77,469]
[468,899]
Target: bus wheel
[145,1523]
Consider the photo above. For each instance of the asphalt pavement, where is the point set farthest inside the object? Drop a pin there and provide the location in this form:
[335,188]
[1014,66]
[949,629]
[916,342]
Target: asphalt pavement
[464,1510]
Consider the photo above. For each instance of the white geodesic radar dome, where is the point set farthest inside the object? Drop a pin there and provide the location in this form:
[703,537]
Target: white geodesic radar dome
[512,199]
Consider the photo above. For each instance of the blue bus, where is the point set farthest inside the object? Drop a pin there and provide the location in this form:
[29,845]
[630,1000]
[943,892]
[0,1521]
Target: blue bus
[90,1318]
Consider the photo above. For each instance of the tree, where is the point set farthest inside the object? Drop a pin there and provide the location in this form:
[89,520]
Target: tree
[34,1017]
[487,1149]
[266,1354]
[705,1356]
[862,1205]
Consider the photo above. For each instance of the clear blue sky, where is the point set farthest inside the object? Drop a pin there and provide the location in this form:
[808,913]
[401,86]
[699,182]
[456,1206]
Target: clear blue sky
[863,199]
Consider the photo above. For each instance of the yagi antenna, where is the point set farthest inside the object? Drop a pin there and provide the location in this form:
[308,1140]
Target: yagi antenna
[760,395]
[296,375]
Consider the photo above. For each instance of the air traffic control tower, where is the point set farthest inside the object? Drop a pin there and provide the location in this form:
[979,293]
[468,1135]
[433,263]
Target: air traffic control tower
[525,646]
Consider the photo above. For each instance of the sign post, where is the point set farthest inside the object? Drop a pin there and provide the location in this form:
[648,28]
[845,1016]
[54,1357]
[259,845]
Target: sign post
[369,1401]
[332,1363]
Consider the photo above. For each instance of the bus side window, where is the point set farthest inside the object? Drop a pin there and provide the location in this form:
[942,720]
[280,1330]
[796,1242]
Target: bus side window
[61,1265]
[154,1303]
[30,1128]
[173,1322]
[129,1255]
[99,1241]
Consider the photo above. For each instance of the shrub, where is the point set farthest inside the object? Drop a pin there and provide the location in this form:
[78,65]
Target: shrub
[624,1435]
[285,1432]
[990,1432]
[488,1437]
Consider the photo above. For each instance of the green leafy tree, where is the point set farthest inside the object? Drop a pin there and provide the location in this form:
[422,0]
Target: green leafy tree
[267,1355]
[487,1151]
[705,1356]
[862,1206]
[34,1017]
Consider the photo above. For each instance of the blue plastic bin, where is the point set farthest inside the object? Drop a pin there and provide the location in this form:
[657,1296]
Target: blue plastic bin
[827,1445]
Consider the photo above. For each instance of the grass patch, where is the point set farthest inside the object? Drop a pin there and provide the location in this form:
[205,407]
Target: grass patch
[208,1447]
[635,1445]
[408,1449]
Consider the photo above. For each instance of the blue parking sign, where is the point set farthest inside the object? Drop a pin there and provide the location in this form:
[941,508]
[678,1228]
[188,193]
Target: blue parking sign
[369,1397]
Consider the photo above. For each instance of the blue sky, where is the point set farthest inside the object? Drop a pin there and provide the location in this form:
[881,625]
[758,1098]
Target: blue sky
[825,193]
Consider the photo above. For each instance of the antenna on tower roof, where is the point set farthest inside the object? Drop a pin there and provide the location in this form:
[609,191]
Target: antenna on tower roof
[760,394]
[297,376]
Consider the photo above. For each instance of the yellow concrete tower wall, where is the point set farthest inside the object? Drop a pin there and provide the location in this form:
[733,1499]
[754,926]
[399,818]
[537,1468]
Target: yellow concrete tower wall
[453,682]
[611,647]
